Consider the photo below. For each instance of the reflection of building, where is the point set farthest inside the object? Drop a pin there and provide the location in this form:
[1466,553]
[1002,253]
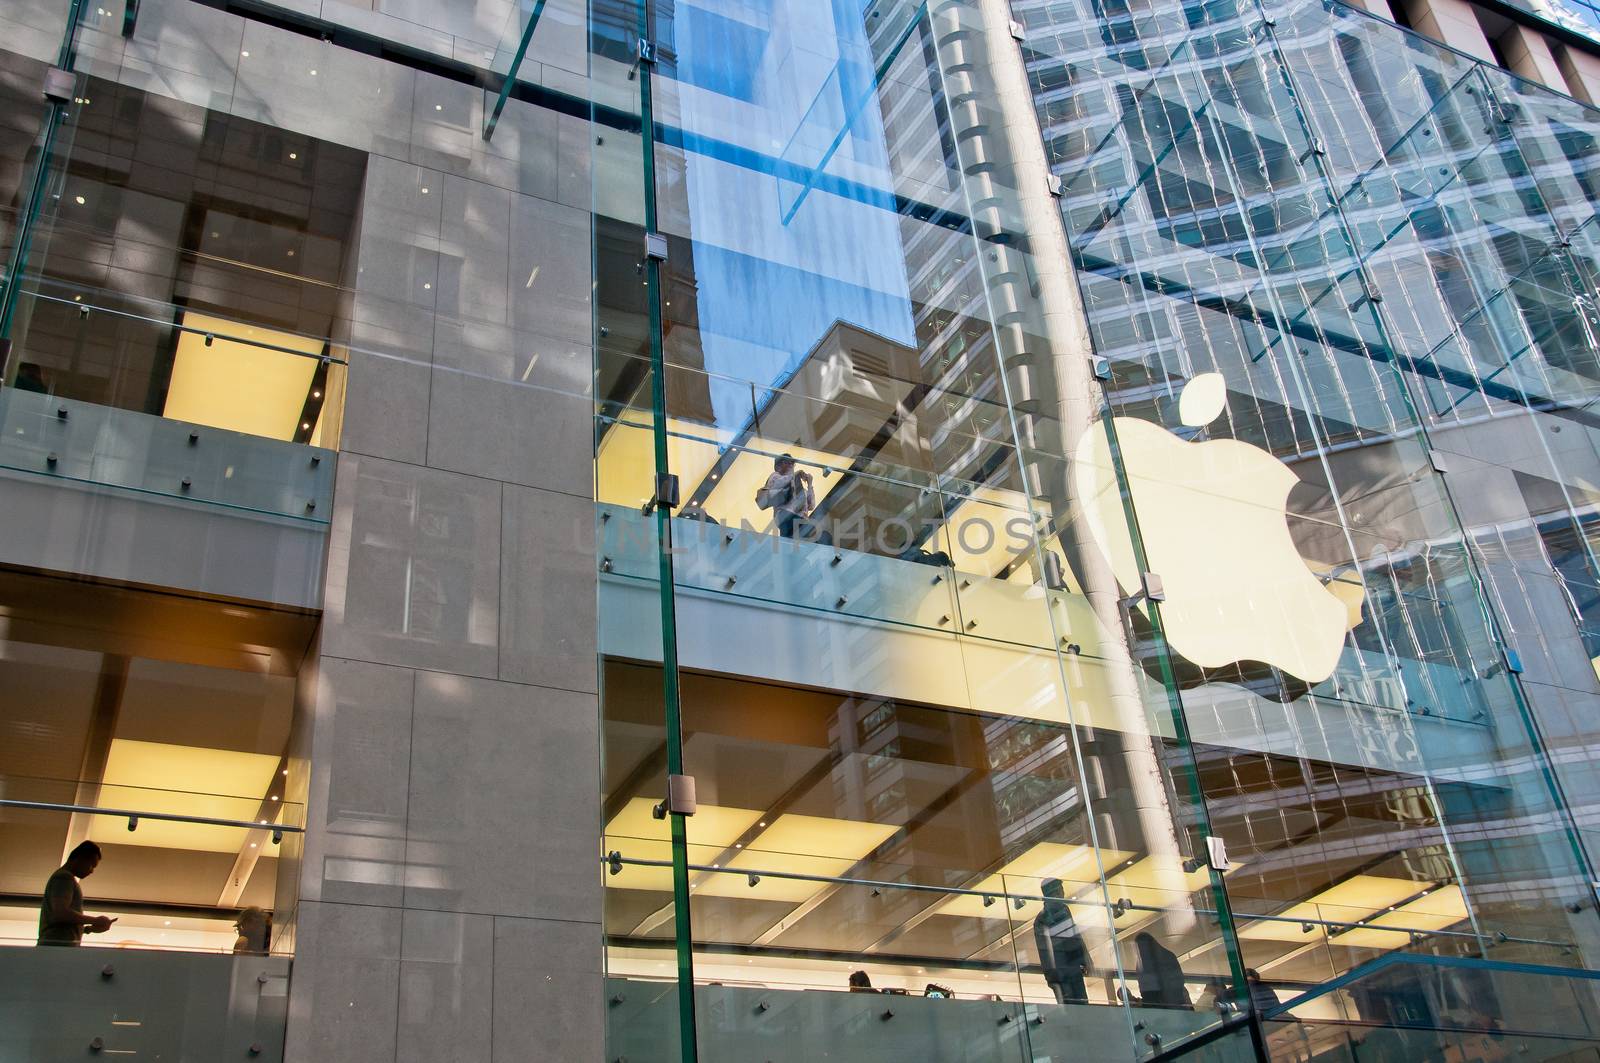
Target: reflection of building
[340,346]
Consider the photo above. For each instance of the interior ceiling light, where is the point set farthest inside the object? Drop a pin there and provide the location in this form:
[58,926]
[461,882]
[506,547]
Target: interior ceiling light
[185,781]
[638,835]
[797,845]
[1356,898]
[1439,910]
[238,385]
[1073,865]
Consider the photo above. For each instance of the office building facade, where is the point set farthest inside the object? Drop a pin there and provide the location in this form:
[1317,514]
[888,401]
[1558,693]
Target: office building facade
[761,529]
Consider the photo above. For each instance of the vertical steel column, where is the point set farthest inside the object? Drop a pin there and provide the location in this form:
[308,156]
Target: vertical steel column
[673,723]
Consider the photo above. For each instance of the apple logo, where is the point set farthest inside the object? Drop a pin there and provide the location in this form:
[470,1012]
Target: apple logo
[1213,518]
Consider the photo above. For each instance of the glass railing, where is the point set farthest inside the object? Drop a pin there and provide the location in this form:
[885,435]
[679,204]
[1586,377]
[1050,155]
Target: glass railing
[805,944]
[179,868]
[62,1003]
[907,962]
[890,536]
[1315,1042]
[1404,1006]
[112,390]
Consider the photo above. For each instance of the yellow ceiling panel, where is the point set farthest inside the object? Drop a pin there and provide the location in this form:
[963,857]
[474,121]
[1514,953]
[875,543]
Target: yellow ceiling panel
[637,834]
[797,845]
[181,780]
[1353,899]
[625,469]
[1074,865]
[236,385]
[1439,910]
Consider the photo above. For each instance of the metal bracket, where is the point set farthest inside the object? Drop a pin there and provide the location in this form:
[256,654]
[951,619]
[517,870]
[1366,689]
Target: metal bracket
[1513,660]
[1102,368]
[667,490]
[1440,461]
[1217,853]
[1017,31]
[680,797]
[666,494]
[60,86]
[647,51]
[1150,590]
[655,246]
[1053,185]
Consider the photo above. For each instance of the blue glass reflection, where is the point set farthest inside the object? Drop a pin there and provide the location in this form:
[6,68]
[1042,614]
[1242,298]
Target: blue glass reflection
[839,257]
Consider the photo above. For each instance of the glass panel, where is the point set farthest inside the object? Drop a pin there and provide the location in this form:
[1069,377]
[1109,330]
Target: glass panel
[157,727]
[649,962]
[60,1004]
[1191,628]
[1282,227]
[173,330]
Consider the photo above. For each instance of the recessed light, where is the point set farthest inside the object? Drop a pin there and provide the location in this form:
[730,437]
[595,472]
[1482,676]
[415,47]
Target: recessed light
[78,200]
[305,426]
[245,54]
[313,73]
[274,797]
[293,155]
[315,395]
[424,189]
[426,286]
[252,845]
[438,107]
[291,252]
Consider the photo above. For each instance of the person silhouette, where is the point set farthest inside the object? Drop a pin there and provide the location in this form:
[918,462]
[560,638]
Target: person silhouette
[61,917]
[1062,953]
[255,931]
[1160,974]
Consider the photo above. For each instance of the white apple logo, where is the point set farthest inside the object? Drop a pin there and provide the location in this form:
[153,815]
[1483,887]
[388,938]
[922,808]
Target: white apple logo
[1213,519]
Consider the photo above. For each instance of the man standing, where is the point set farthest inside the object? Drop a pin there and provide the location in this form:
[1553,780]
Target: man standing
[61,918]
[789,492]
[1062,953]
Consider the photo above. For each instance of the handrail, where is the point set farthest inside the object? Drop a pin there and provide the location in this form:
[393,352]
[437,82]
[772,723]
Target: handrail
[1411,959]
[615,860]
[133,817]
[97,308]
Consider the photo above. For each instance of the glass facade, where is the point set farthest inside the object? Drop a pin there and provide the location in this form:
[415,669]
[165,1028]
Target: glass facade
[1067,529]
[1129,580]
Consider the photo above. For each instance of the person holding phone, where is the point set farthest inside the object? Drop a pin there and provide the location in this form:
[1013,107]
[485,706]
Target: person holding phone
[789,493]
[61,917]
